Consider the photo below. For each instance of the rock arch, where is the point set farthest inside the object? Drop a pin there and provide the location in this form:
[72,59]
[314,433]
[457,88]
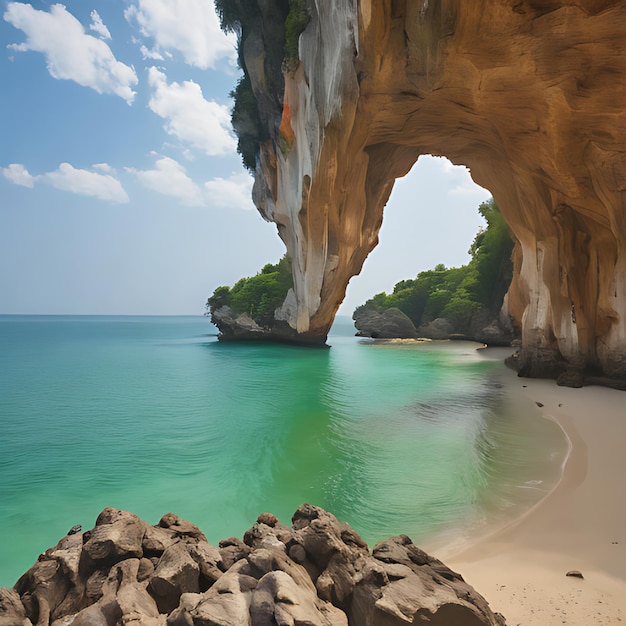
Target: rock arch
[530,95]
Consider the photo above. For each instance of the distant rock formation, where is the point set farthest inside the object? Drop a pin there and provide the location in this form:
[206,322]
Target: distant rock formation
[318,572]
[388,324]
[528,94]
[392,323]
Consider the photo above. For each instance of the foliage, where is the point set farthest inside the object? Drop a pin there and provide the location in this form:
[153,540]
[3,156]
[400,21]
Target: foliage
[233,14]
[246,122]
[297,20]
[279,23]
[458,292]
[259,295]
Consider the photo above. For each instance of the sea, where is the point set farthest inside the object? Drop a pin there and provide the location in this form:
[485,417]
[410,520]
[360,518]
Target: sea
[154,414]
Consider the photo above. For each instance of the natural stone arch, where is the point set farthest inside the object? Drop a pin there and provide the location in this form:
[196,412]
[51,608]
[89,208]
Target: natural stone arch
[528,94]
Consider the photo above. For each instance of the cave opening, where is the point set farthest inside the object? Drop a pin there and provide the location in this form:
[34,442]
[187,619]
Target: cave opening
[431,218]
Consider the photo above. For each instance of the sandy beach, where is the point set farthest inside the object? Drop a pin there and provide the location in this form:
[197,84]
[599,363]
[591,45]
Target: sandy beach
[581,525]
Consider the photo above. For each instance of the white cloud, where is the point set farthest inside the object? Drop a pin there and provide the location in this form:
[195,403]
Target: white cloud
[460,179]
[234,192]
[70,53]
[203,124]
[146,53]
[86,183]
[19,175]
[104,167]
[98,26]
[188,26]
[171,179]
[68,178]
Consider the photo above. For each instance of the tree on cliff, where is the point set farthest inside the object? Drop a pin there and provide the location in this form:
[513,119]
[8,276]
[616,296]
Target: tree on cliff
[259,295]
[279,23]
[458,293]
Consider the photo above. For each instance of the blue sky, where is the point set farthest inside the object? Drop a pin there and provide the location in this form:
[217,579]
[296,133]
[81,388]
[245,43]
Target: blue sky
[120,188]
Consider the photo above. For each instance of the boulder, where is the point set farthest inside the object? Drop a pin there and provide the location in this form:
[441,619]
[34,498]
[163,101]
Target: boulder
[388,324]
[316,572]
[439,328]
[12,611]
[176,573]
[236,326]
[117,535]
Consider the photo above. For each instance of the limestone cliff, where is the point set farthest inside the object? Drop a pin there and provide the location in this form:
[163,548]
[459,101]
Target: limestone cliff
[529,94]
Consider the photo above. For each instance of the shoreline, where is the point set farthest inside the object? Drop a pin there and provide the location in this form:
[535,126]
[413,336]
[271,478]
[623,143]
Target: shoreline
[521,568]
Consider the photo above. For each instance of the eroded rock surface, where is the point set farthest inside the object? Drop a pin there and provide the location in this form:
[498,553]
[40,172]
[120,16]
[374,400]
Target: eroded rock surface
[527,93]
[318,572]
[389,324]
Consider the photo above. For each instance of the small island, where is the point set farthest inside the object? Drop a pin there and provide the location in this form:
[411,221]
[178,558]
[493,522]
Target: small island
[465,302]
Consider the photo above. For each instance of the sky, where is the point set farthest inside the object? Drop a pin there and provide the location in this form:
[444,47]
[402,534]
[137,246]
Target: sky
[121,191]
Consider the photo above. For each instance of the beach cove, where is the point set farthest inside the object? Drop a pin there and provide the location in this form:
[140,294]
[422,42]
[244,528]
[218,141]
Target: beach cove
[580,526]
[154,415]
[435,440]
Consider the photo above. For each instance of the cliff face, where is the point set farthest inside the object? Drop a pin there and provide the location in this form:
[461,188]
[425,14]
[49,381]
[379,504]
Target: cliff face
[529,94]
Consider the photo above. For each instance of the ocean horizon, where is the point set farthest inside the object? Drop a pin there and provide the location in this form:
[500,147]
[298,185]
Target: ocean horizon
[152,414]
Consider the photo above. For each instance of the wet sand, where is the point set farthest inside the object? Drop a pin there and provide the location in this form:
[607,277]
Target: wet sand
[581,525]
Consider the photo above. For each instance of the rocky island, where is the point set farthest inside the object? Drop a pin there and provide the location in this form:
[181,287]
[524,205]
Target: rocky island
[339,99]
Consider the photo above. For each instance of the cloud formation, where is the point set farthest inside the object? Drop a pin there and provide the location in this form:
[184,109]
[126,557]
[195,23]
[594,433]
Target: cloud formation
[72,54]
[234,192]
[190,27]
[170,178]
[98,26]
[68,178]
[204,125]
[461,182]
[18,175]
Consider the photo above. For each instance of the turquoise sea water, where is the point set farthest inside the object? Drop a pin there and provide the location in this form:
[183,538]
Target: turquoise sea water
[152,414]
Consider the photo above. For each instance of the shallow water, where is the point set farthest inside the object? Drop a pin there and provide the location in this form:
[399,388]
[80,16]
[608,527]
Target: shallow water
[152,414]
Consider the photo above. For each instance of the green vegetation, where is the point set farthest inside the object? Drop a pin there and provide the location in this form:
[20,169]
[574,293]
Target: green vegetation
[246,121]
[457,293]
[296,22]
[279,24]
[258,295]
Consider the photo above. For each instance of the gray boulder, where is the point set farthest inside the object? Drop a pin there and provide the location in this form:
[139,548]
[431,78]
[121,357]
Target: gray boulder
[439,328]
[388,324]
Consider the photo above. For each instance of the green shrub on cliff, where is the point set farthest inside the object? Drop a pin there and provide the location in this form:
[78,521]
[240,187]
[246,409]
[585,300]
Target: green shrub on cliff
[246,122]
[259,295]
[458,292]
[296,22]
[276,25]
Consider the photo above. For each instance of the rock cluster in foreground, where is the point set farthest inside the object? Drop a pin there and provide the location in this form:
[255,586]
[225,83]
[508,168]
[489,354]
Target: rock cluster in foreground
[317,572]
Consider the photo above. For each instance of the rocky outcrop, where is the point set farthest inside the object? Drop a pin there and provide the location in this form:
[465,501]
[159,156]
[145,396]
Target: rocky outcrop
[318,572]
[241,327]
[528,94]
[392,323]
[388,324]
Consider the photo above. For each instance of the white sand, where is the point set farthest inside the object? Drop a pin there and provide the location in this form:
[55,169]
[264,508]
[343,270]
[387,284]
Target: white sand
[581,525]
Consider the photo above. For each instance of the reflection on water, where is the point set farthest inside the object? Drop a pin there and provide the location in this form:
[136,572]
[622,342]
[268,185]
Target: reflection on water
[153,415]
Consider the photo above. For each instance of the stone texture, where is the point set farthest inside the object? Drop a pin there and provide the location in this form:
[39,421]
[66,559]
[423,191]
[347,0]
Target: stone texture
[389,324]
[12,611]
[175,573]
[117,535]
[529,95]
[439,328]
[334,581]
